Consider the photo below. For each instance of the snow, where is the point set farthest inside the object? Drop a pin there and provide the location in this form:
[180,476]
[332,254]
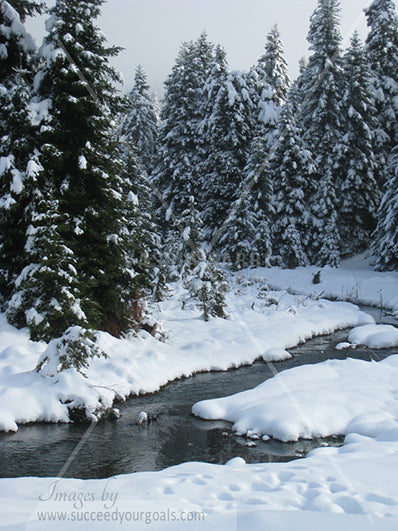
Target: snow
[33,169]
[16,185]
[16,28]
[142,417]
[262,324]
[6,164]
[39,111]
[82,162]
[133,198]
[284,406]
[355,281]
[374,336]
[332,488]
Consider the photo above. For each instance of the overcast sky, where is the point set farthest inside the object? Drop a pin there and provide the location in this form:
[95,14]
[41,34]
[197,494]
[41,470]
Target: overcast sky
[151,31]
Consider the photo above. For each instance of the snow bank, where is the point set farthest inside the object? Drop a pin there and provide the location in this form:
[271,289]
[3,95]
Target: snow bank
[311,400]
[374,336]
[353,281]
[347,488]
[262,324]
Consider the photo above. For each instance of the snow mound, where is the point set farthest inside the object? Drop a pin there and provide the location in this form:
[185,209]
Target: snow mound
[374,336]
[311,400]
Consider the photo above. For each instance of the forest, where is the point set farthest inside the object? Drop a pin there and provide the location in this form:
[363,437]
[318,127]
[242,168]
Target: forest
[106,198]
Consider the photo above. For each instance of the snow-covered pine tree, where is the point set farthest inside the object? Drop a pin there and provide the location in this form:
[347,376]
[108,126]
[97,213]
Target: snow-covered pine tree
[382,52]
[204,280]
[16,130]
[245,240]
[16,45]
[179,152]
[140,126]
[385,245]
[321,121]
[142,227]
[228,132]
[272,67]
[291,168]
[359,193]
[208,285]
[210,192]
[187,240]
[46,295]
[81,183]
[295,95]
[27,8]
[268,85]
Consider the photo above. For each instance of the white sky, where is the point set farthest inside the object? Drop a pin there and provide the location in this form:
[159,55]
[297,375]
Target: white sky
[151,31]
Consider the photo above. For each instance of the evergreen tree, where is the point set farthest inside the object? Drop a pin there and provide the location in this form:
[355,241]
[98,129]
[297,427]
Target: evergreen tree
[291,166]
[295,95]
[142,227]
[46,295]
[209,286]
[16,45]
[16,132]
[229,130]
[141,123]
[385,245]
[26,8]
[81,217]
[188,240]
[272,67]
[204,280]
[359,194]
[210,194]
[179,153]
[382,52]
[245,240]
[321,120]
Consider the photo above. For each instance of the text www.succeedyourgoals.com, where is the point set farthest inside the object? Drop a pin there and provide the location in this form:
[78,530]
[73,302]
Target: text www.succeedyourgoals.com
[121,517]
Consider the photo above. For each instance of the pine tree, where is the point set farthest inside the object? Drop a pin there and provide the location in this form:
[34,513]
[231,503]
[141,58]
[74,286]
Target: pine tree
[229,131]
[209,286]
[16,132]
[359,194]
[188,240]
[321,120]
[291,166]
[26,8]
[179,153]
[16,45]
[385,245]
[272,67]
[52,267]
[142,227]
[295,96]
[210,198]
[382,51]
[83,212]
[245,240]
[140,125]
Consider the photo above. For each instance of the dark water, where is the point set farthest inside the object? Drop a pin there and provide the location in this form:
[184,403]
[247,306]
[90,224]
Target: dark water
[122,446]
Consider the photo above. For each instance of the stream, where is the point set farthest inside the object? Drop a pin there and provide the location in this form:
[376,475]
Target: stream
[122,446]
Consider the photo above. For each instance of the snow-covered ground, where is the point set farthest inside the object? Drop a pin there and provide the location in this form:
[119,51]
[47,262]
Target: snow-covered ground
[354,487]
[354,281]
[312,401]
[261,324]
